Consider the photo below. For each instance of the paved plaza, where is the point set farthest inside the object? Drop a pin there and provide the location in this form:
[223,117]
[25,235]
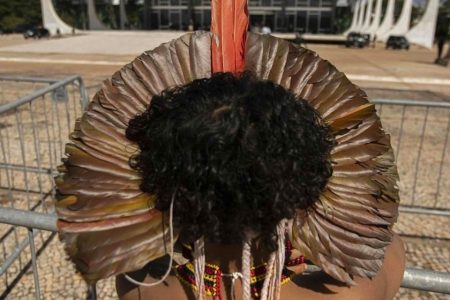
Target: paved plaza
[384,74]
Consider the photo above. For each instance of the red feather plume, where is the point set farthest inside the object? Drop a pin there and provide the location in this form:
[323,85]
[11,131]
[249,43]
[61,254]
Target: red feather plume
[229,24]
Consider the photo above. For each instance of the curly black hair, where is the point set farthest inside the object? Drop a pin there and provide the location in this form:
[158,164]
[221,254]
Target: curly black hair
[242,153]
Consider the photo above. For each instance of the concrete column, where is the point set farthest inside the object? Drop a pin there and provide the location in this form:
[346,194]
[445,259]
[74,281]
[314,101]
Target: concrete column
[362,8]
[402,25]
[51,20]
[94,22]
[368,16]
[423,32]
[376,19]
[388,21]
[354,18]
[123,15]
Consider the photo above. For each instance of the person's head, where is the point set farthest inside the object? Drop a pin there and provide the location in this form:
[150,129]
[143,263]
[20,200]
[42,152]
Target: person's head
[241,155]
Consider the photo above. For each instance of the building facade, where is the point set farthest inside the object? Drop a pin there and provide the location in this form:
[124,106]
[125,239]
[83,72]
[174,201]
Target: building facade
[306,16]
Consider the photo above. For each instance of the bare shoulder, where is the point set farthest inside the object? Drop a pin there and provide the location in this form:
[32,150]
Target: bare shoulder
[171,288]
[383,286]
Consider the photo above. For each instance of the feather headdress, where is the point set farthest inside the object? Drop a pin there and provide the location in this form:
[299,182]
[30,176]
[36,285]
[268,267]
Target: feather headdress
[109,226]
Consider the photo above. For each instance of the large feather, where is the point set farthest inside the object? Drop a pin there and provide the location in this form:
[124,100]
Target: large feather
[229,24]
[108,224]
[346,232]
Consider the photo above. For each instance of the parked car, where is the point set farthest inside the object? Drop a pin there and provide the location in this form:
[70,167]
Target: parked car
[397,42]
[355,39]
[366,37]
[36,33]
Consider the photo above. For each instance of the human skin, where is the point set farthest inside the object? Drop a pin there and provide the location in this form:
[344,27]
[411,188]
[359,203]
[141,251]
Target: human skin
[314,286]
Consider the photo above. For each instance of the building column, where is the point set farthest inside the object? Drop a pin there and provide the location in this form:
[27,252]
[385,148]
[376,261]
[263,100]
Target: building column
[402,25]
[123,14]
[376,19]
[283,16]
[354,18]
[362,7]
[94,22]
[368,16]
[51,20]
[190,12]
[388,21]
[423,32]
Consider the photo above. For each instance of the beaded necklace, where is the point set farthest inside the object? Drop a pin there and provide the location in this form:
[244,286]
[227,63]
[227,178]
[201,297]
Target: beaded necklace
[213,276]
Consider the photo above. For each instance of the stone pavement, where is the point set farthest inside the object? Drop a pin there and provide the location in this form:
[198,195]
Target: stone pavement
[427,239]
[104,52]
[59,281]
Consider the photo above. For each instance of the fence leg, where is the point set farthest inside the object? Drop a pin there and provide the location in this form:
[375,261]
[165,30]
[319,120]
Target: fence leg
[34,264]
[92,292]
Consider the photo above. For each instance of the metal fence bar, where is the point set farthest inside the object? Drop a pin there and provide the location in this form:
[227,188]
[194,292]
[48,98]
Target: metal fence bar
[19,125]
[34,264]
[444,152]
[39,93]
[28,79]
[424,210]
[400,132]
[426,173]
[28,219]
[15,167]
[16,254]
[419,153]
[408,102]
[26,267]
[26,166]
[425,280]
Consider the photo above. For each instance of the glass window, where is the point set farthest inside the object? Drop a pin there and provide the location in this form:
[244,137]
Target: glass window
[325,22]
[279,17]
[154,20]
[164,15]
[174,20]
[184,19]
[301,21]
[206,19]
[198,19]
[290,23]
[313,23]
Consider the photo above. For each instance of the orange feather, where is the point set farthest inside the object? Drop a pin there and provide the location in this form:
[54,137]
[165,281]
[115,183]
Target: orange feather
[229,24]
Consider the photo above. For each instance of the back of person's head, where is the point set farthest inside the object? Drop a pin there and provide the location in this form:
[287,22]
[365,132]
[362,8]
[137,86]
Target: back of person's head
[241,155]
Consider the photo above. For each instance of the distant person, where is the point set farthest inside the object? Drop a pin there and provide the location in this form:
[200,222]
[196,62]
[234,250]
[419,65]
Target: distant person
[440,46]
[441,38]
[256,28]
[266,30]
[374,41]
[299,39]
[191,25]
[58,33]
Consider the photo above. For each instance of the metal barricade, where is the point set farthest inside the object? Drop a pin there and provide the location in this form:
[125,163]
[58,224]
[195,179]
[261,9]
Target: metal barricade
[35,128]
[15,87]
[420,137]
[33,131]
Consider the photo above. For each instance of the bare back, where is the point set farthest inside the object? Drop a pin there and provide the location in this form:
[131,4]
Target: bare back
[316,285]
